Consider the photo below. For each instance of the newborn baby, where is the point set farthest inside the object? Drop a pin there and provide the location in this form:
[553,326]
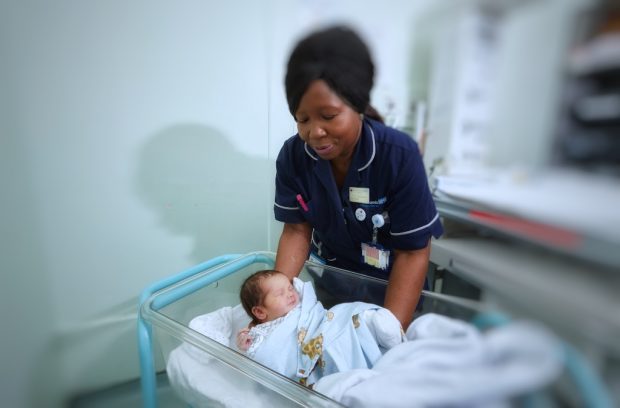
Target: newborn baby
[292,333]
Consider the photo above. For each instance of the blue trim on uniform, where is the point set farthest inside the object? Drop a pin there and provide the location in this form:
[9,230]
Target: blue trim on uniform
[389,164]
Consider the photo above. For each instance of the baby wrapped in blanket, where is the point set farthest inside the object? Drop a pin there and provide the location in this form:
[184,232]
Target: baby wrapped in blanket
[292,333]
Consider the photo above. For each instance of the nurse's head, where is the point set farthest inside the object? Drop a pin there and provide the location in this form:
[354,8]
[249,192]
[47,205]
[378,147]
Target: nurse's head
[328,81]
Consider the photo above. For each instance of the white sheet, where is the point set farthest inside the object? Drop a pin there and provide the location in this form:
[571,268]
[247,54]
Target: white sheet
[203,381]
[445,362]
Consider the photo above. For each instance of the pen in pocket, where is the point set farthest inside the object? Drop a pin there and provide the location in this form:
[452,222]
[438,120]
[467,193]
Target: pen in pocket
[301,201]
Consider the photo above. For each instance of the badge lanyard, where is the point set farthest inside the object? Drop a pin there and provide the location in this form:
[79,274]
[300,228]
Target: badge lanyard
[373,253]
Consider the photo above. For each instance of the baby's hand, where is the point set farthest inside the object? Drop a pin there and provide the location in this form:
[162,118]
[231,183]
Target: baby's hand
[243,339]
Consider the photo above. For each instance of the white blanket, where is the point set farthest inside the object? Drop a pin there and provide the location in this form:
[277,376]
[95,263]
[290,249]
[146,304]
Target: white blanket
[446,362]
[203,381]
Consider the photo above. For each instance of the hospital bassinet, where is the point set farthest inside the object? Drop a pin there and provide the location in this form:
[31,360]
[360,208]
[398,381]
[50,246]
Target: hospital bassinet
[167,307]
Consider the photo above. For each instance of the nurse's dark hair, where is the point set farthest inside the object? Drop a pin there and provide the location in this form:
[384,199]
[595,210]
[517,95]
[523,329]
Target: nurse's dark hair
[252,293]
[338,56]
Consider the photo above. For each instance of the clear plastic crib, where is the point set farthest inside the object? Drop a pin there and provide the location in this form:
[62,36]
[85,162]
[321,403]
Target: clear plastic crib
[168,306]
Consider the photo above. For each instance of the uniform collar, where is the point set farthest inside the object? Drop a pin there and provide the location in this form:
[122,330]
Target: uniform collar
[364,151]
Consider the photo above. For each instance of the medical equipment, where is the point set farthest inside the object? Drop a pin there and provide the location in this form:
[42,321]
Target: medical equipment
[169,312]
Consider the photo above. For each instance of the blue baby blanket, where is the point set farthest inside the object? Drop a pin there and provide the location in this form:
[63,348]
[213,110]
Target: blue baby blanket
[312,342]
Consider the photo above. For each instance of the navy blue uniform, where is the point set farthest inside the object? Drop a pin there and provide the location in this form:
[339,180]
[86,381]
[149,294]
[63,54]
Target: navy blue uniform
[387,162]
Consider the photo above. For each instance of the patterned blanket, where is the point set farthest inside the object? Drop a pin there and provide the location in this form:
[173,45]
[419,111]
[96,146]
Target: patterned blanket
[312,342]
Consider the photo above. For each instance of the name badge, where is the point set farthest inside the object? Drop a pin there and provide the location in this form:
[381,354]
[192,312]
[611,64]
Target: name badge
[376,256]
[359,195]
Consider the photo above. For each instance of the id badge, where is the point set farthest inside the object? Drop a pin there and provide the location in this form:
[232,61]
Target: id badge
[376,256]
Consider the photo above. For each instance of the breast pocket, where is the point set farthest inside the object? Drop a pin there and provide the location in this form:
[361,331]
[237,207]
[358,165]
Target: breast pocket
[310,211]
[324,212]
[307,206]
[318,215]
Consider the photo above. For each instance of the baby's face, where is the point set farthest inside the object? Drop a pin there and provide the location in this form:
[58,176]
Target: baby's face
[280,297]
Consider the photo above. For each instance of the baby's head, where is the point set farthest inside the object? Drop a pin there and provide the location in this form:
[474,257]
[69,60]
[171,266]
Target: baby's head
[267,295]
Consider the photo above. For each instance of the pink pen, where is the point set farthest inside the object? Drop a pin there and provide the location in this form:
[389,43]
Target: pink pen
[302,202]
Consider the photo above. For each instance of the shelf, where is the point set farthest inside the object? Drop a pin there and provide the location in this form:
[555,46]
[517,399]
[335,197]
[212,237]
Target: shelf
[544,245]
[571,297]
[571,213]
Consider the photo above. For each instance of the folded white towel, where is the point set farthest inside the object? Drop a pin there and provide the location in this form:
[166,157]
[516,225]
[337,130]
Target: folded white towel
[447,362]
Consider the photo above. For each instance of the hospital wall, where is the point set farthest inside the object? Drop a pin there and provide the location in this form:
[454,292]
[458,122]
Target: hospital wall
[138,139]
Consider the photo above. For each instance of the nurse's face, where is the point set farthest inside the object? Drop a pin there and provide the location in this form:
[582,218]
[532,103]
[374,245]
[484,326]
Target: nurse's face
[327,123]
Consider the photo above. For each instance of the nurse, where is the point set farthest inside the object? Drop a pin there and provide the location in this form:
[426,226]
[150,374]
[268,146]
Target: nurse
[350,190]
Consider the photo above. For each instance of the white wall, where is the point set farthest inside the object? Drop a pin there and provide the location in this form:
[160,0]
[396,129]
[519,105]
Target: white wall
[137,146]
[25,300]
[138,139]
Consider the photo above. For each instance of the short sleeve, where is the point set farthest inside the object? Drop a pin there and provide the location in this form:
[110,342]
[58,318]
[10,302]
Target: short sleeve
[413,216]
[286,208]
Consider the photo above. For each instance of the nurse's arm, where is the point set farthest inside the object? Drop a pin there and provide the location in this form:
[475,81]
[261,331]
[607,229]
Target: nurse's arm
[293,248]
[406,283]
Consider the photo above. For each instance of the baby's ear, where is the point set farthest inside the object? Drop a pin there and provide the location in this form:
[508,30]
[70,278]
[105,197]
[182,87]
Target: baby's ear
[259,313]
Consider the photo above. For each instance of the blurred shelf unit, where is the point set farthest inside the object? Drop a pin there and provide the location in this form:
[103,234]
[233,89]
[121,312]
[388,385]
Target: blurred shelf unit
[486,81]
[519,120]
[572,298]
[589,131]
[565,275]
[584,245]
